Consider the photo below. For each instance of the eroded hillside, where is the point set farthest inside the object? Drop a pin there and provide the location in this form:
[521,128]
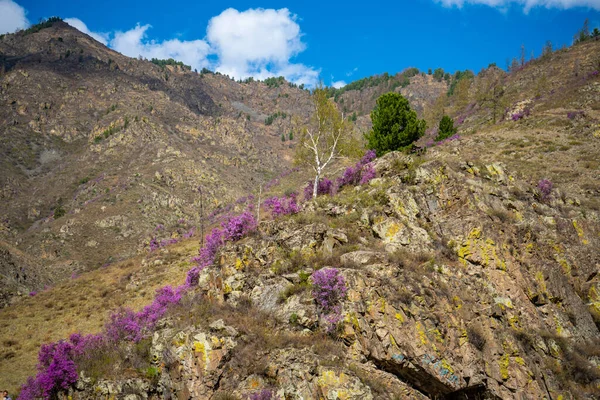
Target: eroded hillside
[98,149]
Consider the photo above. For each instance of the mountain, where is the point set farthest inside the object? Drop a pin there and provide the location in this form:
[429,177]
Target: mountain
[98,149]
[466,270]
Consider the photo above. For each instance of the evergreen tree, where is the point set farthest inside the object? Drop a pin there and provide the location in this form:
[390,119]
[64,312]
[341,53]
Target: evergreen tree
[446,128]
[395,125]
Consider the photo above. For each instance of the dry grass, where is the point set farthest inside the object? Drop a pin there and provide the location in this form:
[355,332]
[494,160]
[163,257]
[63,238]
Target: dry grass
[409,260]
[476,337]
[81,305]
[260,333]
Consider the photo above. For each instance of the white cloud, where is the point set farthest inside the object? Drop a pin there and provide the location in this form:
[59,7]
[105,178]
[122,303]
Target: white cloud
[338,84]
[527,4]
[12,17]
[350,73]
[79,25]
[259,43]
[134,43]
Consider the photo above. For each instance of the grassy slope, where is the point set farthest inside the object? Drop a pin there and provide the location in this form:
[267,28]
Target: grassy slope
[83,305]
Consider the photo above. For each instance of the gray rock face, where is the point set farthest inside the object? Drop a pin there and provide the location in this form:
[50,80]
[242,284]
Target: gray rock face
[445,299]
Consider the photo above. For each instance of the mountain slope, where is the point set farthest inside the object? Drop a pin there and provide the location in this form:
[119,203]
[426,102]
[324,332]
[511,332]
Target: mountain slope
[120,145]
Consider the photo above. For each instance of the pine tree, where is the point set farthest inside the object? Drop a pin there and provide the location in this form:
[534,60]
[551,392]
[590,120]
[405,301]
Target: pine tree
[395,125]
[446,128]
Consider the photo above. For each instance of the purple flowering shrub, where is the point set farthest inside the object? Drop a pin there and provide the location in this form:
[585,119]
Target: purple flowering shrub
[329,289]
[545,188]
[574,114]
[368,173]
[131,326]
[325,186]
[358,174]
[234,228]
[56,366]
[238,226]
[521,114]
[285,205]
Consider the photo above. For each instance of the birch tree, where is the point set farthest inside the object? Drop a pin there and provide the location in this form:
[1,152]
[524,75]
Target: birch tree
[324,139]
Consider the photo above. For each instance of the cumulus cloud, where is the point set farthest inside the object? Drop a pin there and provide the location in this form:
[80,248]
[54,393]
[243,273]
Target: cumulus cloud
[134,43]
[338,84]
[254,43]
[79,25]
[259,43]
[12,17]
[526,4]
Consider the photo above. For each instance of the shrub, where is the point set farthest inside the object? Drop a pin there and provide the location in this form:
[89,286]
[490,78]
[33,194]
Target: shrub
[476,338]
[130,326]
[362,172]
[395,125]
[329,289]
[59,212]
[545,188]
[446,128]
[56,366]
[574,114]
[285,205]
[325,186]
[233,229]
[265,394]
[521,114]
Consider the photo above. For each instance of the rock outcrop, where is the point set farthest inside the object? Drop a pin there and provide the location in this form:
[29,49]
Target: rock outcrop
[456,289]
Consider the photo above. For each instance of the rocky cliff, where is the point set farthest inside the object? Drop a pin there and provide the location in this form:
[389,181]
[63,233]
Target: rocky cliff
[462,282]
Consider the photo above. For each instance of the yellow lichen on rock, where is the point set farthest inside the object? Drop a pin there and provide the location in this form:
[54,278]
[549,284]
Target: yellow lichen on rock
[421,333]
[504,362]
[580,232]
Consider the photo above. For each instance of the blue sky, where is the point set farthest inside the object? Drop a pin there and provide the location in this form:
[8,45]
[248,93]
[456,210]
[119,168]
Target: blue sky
[309,40]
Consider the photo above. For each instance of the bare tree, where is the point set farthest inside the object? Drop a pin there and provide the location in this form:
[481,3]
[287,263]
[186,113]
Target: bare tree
[323,139]
[490,92]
